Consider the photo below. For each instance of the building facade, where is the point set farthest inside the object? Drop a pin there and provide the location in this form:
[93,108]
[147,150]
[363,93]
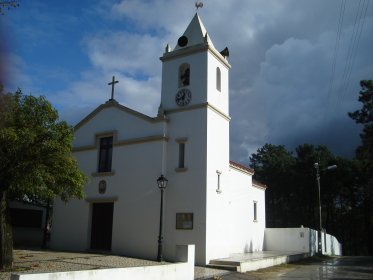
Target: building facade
[210,201]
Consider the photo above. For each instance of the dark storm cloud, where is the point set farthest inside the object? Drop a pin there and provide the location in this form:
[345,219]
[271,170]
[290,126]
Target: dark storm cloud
[280,84]
[282,90]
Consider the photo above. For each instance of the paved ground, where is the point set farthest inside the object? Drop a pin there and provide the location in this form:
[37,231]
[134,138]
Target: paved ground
[28,261]
[354,268]
[359,268]
[244,257]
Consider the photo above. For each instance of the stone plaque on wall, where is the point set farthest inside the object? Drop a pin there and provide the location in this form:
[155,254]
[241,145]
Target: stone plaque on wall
[102,187]
[184,220]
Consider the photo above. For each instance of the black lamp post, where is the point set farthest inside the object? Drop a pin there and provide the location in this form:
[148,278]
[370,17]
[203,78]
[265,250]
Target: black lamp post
[162,184]
[317,167]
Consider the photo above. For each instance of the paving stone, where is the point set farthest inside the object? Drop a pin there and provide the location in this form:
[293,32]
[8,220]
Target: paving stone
[34,261]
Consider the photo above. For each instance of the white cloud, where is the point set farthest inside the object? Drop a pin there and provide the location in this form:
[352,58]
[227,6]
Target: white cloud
[281,57]
[135,54]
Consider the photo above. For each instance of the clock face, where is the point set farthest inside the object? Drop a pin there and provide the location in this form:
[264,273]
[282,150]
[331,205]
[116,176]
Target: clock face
[183,97]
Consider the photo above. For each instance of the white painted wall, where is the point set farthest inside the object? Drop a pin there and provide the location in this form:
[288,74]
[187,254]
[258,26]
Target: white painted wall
[129,126]
[287,239]
[230,224]
[135,196]
[198,79]
[70,225]
[219,99]
[222,224]
[331,245]
[299,240]
[186,192]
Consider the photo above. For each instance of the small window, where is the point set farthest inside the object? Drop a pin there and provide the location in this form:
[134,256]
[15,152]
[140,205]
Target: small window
[184,75]
[181,155]
[218,79]
[255,211]
[105,154]
[181,160]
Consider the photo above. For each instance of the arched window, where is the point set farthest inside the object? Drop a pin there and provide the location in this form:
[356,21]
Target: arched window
[184,75]
[218,79]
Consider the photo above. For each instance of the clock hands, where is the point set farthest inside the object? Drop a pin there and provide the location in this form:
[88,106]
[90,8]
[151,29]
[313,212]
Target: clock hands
[183,97]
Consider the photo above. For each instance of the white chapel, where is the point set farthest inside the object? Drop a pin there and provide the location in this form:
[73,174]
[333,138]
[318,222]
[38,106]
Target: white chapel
[209,200]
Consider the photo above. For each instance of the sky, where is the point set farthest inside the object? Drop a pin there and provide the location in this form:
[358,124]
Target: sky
[296,64]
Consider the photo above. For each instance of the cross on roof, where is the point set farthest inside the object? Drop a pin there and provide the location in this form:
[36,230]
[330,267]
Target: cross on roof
[112,83]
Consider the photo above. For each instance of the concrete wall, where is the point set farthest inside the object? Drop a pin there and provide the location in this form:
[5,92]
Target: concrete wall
[182,271]
[300,240]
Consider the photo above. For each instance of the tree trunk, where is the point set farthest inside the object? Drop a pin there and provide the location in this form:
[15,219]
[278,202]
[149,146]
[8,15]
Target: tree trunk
[6,238]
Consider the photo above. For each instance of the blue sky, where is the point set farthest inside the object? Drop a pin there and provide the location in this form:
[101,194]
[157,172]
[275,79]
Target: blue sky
[296,64]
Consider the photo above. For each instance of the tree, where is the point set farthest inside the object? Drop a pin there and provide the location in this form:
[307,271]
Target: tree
[7,5]
[274,166]
[292,197]
[364,155]
[36,160]
[365,116]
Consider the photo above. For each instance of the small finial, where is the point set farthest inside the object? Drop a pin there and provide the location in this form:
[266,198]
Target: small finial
[198,4]
[206,38]
[168,48]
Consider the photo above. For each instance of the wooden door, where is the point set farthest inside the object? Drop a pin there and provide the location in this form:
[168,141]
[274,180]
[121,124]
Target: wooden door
[102,226]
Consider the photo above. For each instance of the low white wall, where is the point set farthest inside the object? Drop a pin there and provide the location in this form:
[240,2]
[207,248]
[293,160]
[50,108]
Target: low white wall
[183,270]
[299,240]
[331,246]
[287,239]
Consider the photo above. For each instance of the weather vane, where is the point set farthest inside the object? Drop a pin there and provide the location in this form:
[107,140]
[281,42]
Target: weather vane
[198,4]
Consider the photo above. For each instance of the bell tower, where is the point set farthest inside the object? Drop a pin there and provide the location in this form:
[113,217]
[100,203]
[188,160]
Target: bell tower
[194,72]
[195,100]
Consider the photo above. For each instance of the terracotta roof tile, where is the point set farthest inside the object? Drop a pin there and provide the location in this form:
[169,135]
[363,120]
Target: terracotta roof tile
[242,167]
[259,185]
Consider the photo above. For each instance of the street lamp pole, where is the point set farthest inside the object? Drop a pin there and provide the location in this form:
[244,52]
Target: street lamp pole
[162,184]
[317,167]
[319,247]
